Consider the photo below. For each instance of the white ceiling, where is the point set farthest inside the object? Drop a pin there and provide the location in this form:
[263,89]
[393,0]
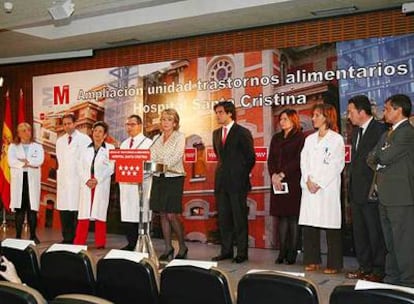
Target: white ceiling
[96,24]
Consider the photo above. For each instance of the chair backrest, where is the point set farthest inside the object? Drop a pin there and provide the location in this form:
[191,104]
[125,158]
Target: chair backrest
[13,293]
[190,284]
[125,281]
[270,287]
[65,272]
[79,299]
[347,294]
[27,265]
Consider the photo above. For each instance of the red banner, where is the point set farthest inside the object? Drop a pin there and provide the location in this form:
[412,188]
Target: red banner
[210,155]
[261,154]
[190,155]
[129,171]
[129,164]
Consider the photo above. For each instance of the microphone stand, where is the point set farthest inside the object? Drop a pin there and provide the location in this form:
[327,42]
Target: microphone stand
[144,242]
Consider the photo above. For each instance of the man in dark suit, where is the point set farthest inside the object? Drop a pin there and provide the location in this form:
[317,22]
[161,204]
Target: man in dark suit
[368,236]
[233,145]
[393,157]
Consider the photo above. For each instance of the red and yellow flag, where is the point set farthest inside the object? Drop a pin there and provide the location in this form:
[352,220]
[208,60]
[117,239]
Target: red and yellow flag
[21,113]
[4,166]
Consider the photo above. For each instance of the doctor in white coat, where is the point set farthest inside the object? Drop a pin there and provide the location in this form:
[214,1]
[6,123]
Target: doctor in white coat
[95,170]
[68,147]
[129,198]
[25,158]
[322,161]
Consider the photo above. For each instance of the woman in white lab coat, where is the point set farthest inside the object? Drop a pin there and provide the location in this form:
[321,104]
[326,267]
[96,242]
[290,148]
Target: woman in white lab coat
[95,170]
[322,161]
[25,158]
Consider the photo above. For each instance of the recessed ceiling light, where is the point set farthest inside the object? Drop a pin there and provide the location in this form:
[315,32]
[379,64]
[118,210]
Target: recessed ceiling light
[335,11]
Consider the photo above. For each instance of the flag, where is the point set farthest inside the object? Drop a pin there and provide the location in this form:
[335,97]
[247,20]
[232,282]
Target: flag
[4,166]
[128,171]
[21,114]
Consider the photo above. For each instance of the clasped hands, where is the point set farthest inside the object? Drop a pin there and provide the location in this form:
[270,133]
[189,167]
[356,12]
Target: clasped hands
[26,163]
[312,187]
[92,182]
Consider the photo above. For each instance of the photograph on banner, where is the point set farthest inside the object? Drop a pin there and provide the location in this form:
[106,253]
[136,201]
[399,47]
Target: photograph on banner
[261,84]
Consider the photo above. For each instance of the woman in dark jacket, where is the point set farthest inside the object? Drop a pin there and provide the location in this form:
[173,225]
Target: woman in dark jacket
[284,167]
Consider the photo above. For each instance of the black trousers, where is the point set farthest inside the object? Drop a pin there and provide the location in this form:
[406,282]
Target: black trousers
[131,232]
[368,238]
[68,220]
[233,224]
[398,226]
[312,247]
[25,209]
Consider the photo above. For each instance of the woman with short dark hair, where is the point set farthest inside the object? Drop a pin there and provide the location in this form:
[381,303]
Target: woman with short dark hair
[284,169]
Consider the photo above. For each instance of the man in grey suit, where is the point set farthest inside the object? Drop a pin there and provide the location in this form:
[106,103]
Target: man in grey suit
[368,236]
[393,158]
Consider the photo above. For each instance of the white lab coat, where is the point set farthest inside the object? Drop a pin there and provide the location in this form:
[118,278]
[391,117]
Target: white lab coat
[129,197]
[323,161]
[35,156]
[68,178]
[104,168]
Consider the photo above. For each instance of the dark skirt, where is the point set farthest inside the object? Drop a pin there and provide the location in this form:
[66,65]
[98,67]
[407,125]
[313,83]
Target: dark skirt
[167,194]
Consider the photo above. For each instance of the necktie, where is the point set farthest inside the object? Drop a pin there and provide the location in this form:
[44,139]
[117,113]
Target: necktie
[69,139]
[131,143]
[223,139]
[389,133]
[360,132]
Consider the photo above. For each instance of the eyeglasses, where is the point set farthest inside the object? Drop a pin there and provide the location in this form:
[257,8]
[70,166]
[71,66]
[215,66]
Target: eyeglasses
[131,124]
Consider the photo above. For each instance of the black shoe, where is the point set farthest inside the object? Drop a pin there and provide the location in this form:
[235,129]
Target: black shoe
[222,257]
[128,247]
[280,260]
[35,239]
[167,255]
[240,259]
[183,255]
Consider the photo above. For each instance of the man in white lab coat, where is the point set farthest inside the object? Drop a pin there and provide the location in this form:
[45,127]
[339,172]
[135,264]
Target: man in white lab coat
[129,197]
[68,148]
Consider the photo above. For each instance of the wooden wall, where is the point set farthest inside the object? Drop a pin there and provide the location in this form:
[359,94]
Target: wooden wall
[358,26]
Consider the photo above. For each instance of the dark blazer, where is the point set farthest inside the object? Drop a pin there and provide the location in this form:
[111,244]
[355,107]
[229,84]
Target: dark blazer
[396,180]
[235,159]
[284,156]
[361,174]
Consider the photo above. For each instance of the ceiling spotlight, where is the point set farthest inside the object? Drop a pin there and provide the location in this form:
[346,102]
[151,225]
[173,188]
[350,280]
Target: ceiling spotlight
[8,6]
[1,81]
[61,9]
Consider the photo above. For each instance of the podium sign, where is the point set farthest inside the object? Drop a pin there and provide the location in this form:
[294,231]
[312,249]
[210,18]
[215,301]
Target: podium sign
[129,164]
